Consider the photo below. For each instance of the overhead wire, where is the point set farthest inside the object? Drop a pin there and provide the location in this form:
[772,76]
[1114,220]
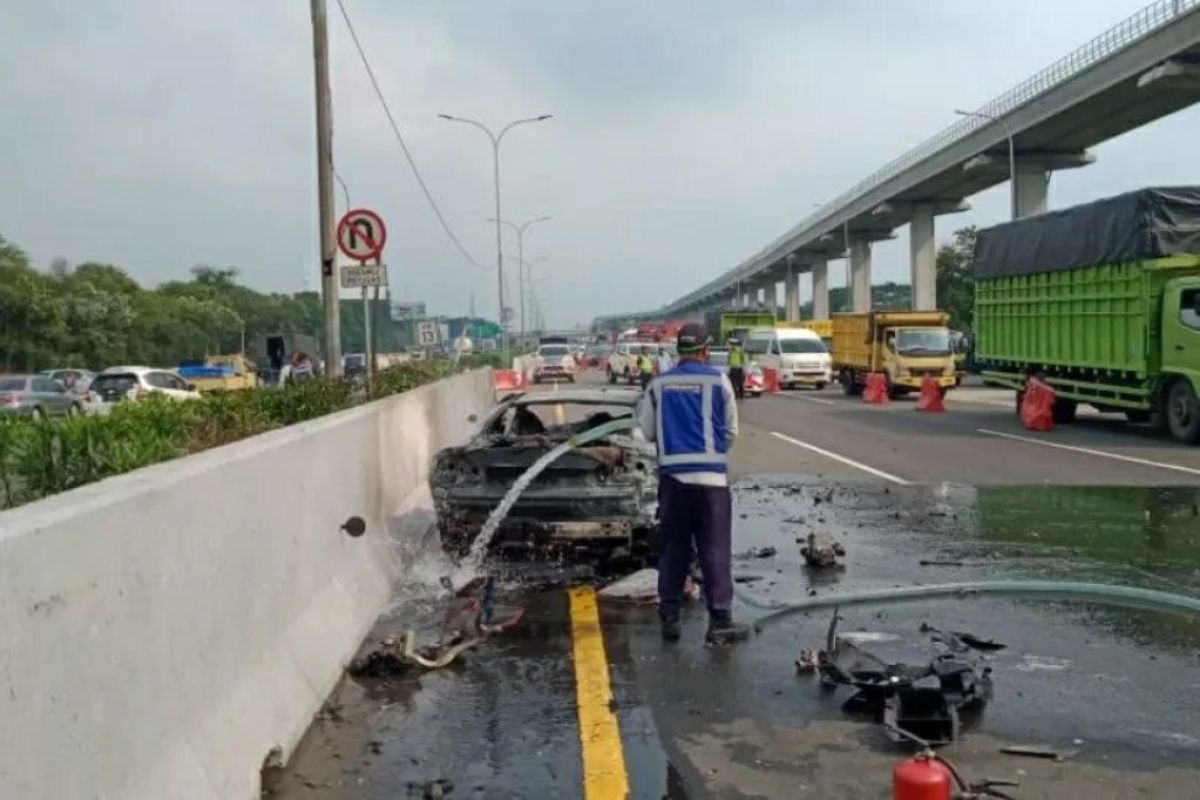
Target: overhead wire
[403,145]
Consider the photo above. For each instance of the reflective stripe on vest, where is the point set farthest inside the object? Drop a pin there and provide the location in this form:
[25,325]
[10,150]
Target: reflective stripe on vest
[707,385]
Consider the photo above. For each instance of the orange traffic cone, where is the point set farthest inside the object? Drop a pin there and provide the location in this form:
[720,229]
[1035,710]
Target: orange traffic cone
[931,396]
[877,389]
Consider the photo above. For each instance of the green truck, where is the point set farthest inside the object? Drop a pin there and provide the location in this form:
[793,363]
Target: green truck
[1101,301]
[724,324]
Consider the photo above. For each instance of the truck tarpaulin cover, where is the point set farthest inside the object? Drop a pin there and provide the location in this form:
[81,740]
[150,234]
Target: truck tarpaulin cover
[1148,223]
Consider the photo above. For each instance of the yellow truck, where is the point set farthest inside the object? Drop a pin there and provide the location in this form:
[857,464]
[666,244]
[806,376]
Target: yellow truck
[903,345]
[229,373]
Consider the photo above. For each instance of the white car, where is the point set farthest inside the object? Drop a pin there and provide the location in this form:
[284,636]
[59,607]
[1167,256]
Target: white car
[553,362]
[798,356]
[120,384]
[623,362]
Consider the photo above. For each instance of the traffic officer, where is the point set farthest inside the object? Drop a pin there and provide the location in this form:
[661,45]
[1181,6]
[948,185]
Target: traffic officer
[645,366]
[737,368]
[692,415]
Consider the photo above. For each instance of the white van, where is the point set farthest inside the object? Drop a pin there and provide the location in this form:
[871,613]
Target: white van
[798,355]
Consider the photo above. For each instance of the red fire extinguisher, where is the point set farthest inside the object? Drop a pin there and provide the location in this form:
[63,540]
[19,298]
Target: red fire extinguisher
[921,777]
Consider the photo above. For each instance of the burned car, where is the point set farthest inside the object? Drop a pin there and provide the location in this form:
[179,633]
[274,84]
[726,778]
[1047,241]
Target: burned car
[599,499]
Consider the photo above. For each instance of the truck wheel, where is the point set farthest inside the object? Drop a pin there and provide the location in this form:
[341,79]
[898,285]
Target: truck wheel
[849,387]
[1183,411]
[1064,411]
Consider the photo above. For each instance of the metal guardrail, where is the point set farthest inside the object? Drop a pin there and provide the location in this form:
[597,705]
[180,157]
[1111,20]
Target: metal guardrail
[1112,41]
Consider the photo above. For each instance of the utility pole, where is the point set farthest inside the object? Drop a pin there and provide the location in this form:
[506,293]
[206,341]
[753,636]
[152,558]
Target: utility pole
[329,278]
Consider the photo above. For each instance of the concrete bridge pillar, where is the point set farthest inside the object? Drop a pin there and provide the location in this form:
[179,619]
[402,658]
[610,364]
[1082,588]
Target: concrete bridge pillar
[860,274]
[1033,185]
[771,295]
[791,293]
[820,284]
[923,251]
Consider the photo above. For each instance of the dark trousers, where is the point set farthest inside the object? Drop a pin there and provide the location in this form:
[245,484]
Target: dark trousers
[701,514]
[737,376]
[645,378]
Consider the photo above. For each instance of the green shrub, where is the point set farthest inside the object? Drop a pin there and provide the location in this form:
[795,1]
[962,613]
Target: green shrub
[43,457]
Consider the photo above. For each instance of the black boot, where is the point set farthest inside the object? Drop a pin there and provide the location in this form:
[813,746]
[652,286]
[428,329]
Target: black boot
[670,627]
[723,630]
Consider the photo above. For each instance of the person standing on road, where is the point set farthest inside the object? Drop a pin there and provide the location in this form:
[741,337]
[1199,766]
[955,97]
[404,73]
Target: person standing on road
[737,368]
[645,367]
[692,415]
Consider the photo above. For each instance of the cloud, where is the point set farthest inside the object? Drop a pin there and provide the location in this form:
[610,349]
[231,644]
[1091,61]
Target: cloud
[686,134]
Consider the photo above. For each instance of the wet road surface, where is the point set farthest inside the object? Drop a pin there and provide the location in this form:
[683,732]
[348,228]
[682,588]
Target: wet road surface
[1115,688]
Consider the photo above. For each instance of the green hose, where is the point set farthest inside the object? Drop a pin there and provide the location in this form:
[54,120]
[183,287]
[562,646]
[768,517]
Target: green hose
[1054,590]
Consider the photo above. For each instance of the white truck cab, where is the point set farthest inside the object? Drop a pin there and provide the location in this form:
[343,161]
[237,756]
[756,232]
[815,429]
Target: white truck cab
[798,355]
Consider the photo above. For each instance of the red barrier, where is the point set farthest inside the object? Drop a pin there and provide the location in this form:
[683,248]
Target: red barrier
[931,396]
[1037,406]
[877,389]
[507,380]
[771,381]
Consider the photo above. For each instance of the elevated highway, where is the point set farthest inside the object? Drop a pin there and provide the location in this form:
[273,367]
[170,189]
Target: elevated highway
[1141,70]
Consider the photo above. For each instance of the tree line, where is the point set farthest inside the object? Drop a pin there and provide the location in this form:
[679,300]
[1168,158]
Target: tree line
[95,315]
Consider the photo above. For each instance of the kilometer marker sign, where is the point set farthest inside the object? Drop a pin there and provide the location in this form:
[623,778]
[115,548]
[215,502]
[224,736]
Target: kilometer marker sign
[361,234]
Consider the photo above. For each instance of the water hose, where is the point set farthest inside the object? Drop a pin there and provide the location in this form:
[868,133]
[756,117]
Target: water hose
[1110,594]
[600,431]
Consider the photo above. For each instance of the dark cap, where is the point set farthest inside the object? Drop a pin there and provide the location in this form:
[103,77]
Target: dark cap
[692,338]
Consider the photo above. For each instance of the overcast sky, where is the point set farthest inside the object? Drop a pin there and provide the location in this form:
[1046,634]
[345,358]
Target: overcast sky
[158,134]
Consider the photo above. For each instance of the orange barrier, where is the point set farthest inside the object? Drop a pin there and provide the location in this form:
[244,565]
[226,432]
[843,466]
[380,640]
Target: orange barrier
[1037,406]
[877,389]
[931,396]
[771,381]
[508,380]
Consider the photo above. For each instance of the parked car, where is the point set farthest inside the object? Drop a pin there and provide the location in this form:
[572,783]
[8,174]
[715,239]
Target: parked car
[553,362]
[120,384]
[598,499]
[76,380]
[753,383]
[36,396]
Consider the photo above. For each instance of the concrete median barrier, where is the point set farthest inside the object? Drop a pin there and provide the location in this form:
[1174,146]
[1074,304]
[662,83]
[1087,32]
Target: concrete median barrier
[165,629]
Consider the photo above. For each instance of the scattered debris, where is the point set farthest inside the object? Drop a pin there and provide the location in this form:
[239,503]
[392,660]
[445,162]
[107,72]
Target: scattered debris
[431,790]
[807,663]
[926,563]
[757,552]
[747,578]
[641,588]
[270,775]
[1033,751]
[821,551]
[922,700]
[961,641]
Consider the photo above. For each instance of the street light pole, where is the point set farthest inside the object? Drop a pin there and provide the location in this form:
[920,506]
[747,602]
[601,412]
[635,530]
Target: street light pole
[329,278]
[496,139]
[520,231]
[1012,153]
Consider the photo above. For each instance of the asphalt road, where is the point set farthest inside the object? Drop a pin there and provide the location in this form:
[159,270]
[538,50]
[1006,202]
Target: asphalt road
[569,704]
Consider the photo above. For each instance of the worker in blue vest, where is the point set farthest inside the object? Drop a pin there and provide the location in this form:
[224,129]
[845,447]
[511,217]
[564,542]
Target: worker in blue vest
[692,414]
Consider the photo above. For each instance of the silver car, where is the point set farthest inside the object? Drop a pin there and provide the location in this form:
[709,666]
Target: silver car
[36,396]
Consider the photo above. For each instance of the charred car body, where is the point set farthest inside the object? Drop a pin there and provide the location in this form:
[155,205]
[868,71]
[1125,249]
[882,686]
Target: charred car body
[600,499]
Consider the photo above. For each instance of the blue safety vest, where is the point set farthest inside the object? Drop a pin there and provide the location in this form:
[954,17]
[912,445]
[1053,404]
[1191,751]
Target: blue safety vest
[689,405]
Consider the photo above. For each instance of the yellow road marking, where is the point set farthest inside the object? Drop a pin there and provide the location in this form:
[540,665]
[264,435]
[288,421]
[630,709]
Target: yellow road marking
[559,412]
[604,775]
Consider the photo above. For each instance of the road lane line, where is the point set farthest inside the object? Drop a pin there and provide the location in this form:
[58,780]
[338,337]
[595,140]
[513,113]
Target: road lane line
[887,476]
[1089,451]
[559,412]
[808,399]
[604,774]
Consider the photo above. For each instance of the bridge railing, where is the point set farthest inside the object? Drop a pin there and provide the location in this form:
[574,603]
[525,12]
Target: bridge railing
[1112,41]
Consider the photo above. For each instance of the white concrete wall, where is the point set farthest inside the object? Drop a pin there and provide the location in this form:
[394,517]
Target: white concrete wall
[163,630]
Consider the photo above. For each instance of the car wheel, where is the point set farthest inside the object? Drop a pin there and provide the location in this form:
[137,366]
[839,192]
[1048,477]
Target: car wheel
[820,386]
[74,410]
[1183,411]
[37,414]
